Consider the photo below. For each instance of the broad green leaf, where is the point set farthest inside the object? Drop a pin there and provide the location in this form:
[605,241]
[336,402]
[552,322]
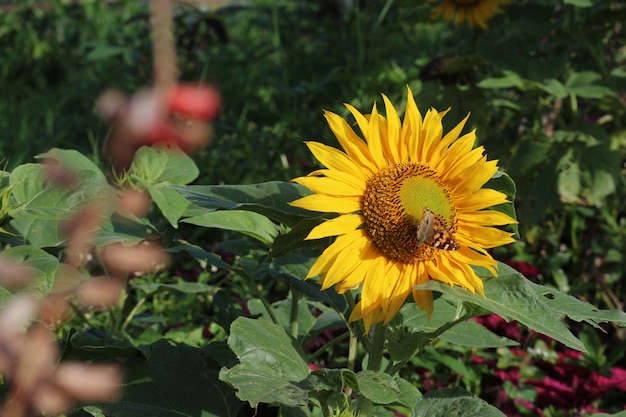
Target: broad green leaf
[409,394]
[41,208]
[508,80]
[579,3]
[172,381]
[512,297]
[333,380]
[271,364]
[118,229]
[577,310]
[191,337]
[569,185]
[465,333]
[294,266]
[286,243]
[38,264]
[603,185]
[379,387]
[96,344]
[619,414]
[73,161]
[247,222]
[102,51]
[450,402]
[270,199]
[555,87]
[582,78]
[171,203]
[166,166]
[592,91]
[583,85]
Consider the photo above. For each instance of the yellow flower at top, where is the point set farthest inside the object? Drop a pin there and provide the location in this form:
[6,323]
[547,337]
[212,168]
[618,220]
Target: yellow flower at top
[476,12]
[411,208]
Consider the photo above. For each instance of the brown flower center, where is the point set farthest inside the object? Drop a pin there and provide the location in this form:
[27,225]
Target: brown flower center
[392,206]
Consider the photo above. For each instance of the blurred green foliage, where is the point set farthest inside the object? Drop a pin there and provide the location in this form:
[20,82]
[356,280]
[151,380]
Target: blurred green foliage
[544,84]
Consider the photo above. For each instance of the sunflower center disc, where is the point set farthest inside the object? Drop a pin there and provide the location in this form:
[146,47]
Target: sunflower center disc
[392,206]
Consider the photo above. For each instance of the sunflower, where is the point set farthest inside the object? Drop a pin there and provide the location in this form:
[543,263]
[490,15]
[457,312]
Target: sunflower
[411,208]
[477,12]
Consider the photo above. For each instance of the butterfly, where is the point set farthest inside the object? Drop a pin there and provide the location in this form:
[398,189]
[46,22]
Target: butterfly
[433,231]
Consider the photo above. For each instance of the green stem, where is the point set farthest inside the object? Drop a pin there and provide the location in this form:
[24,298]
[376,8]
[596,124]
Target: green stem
[293,314]
[328,346]
[374,362]
[131,314]
[378,346]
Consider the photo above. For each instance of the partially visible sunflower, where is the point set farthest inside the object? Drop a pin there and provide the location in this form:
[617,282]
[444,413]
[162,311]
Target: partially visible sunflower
[476,12]
[411,208]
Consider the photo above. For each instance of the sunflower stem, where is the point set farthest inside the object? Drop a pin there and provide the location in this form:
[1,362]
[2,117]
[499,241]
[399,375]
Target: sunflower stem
[293,314]
[373,364]
[376,350]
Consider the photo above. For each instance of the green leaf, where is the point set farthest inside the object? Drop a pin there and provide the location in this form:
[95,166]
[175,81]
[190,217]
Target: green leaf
[449,402]
[96,344]
[41,207]
[270,199]
[161,165]
[271,364]
[555,87]
[579,3]
[172,381]
[379,387]
[247,222]
[508,80]
[72,160]
[569,185]
[102,51]
[409,394]
[619,414]
[512,297]
[603,185]
[171,203]
[38,264]
[583,85]
[574,309]
[465,333]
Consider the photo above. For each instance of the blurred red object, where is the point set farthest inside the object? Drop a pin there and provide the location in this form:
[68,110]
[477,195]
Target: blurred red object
[178,116]
[199,102]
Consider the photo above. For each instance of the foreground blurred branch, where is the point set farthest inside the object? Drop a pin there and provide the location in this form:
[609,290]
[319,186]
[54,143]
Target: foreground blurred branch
[163,46]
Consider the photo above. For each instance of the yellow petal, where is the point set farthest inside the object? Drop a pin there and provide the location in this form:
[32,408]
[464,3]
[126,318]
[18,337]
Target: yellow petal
[354,146]
[480,199]
[337,226]
[328,204]
[486,218]
[329,186]
[392,148]
[334,159]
